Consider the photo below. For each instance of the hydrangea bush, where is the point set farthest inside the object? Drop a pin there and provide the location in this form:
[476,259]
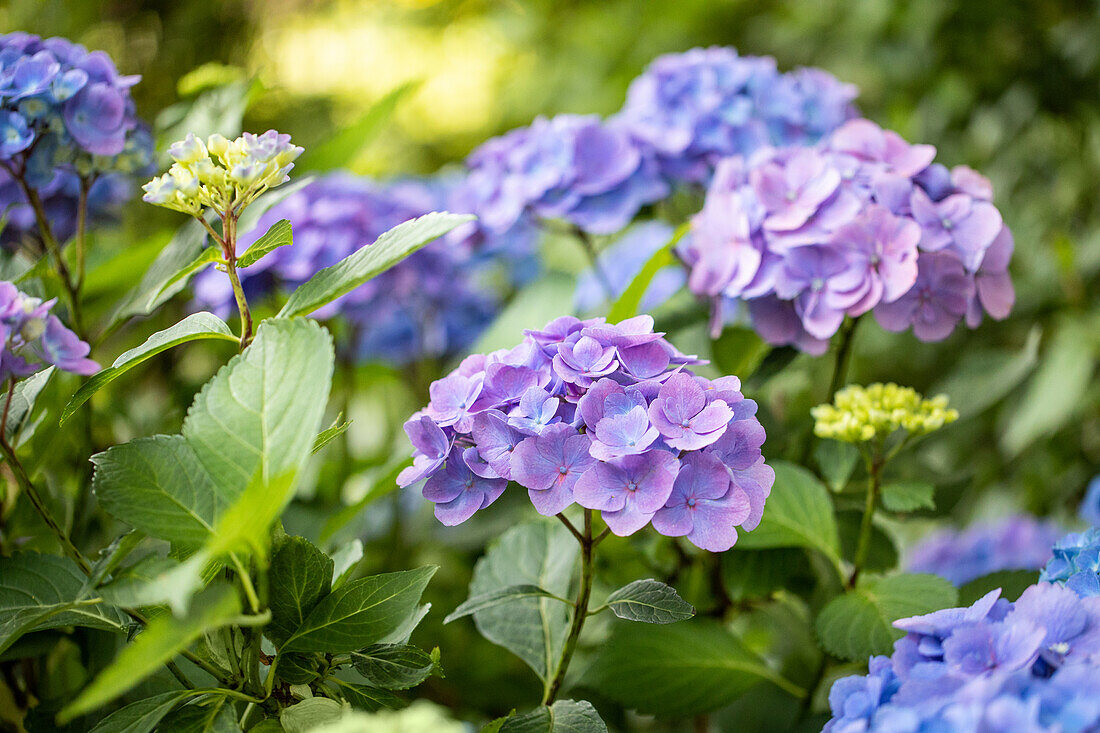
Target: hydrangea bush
[640,546]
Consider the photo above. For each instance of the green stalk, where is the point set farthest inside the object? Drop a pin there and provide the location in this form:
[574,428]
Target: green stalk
[875,463]
[580,609]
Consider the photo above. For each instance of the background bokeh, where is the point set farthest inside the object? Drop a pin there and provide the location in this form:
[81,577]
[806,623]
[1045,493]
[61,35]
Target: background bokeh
[1009,88]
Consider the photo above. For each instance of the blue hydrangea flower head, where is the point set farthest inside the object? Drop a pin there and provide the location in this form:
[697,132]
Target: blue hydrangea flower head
[1076,563]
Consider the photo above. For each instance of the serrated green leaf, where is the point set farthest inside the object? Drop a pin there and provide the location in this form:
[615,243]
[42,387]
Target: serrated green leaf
[196,326]
[357,268]
[300,576]
[164,638]
[310,713]
[330,434]
[689,668]
[361,612]
[393,666]
[540,554]
[144,715]
[495,598]
[47,592]
[279,235]
[365,697]
[564,716]
[630,301]
[798,513]
[23,398]
[297,669]
[859,623]
[649,601]
[836,460]
[908,496]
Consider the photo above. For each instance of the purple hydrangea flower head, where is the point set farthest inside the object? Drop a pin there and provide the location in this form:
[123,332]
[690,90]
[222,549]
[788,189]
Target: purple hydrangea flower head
[1076,563]
[1018,542]
[697,107]
[458,492]
[607,416]
[860,221]
[31,338]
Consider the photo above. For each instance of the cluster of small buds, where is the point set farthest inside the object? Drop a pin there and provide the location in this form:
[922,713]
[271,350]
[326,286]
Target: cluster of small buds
[1076,563]
[604,416]
[1032,665]
[220,174]
[32,337]
[862,414]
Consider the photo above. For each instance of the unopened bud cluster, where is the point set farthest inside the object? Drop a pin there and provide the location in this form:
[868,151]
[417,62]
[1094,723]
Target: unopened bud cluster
[221,174]
[861,414]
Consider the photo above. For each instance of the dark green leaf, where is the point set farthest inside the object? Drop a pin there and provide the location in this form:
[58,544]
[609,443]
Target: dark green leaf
[649,601]
[365,697]
[495,598]
[279,235]
[908,496]
[630,301]
[836,460]
[799,514]
[300,576]
[859,623]
[147,583]
[213,715]
[196,326]
[297,669]
[564,716]
[883,552]
[739,351]
[1011,582]
[142,716]
[357,268]
[758,573]
[361,612]
[678,670]
[393,666]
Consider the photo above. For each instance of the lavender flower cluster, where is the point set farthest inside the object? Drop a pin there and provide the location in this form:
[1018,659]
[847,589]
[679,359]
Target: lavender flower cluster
[65,115]
[602,415]
[433,303]
[32,337]
[1076,563]
[698,107]
[1032,665]
[1019,542]
[861,222]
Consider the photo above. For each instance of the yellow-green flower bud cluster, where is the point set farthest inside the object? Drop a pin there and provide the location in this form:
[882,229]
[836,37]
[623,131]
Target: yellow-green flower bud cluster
[861,414]
[221,174]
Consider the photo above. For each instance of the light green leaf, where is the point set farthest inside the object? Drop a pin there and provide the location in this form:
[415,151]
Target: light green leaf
[798,513]
[908,496]
[142,716]
[330,434]
[859,623]
[533,307]
[689,668]
[344,561]
[147,583]
[311,713]
[739,351]
[47,592]
[279,235]
[196,326]
[497,597]
[361,612]
[649,601]
[158,486]
[630,301]
[540,554]
[22,400]
[564,716]
[300,576]
[164,638]
[161,280]
[357,268]
[393,666]
[836,460]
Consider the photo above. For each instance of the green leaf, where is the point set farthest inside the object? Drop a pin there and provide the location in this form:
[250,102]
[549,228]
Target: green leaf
[836,461]
[882,554]
[1011,582]
[738,350]
[45,592]
[357,268]
[859,623]
[161,281]
[343,146]
[298,669]
[158,486]
[799,513]
[495,598]
[330,434]
[300,576]
[310,713]
[142,716]
[532,307]
[759,573]
[365,697]
[279,235]
[147,583]
[1055,392]
[908,496]
[22,401]
[393,666]
[630,301]
[540,554]
[212,715]
[344,561]
[564,716]
[649,601]
[361,612]
[196,326]
[164,638]
[688,669]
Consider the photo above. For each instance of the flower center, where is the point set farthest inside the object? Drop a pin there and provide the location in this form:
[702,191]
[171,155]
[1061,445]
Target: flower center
[691,501]
[563,470]
[791,196]
[817,283]
[947,224]
[469,483]
[632,486]
[685,424]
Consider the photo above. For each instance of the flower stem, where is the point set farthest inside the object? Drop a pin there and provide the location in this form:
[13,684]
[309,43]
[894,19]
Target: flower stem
[843,356]
[81,232]
[597,268]
[580,611]
[229,251]
[874,485]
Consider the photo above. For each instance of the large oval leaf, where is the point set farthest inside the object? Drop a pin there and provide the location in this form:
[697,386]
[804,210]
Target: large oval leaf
[798,513]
